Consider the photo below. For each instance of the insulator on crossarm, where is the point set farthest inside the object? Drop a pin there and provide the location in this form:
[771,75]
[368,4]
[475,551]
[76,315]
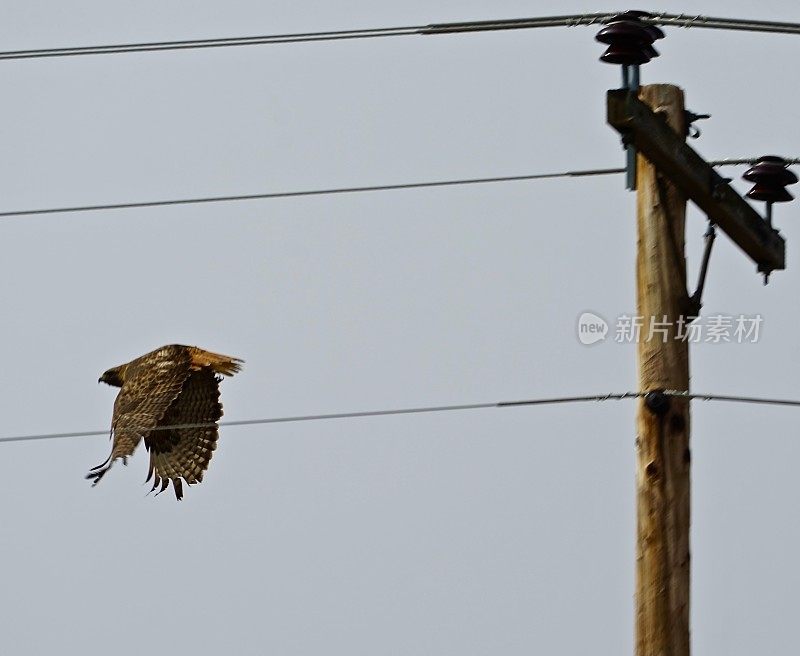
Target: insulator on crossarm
[629,40]
[630,44]
[654,32]
[770,177]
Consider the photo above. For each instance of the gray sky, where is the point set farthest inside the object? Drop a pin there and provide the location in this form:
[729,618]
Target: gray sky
[483,532]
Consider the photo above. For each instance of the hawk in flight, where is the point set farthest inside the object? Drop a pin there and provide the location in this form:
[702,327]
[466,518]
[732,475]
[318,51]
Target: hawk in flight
[170,398]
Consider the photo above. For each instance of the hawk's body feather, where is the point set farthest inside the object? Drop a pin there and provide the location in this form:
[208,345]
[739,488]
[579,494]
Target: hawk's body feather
[174,385]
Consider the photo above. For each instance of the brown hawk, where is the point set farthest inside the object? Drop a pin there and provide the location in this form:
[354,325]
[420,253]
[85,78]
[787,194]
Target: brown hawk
[174,386]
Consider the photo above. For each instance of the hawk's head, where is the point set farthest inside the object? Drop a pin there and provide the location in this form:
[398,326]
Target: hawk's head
[112,377]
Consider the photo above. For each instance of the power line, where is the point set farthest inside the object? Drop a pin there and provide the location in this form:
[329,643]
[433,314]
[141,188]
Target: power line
[344,190]
[153,46]
[614,396]
[314,192]
[742,161]
[657,18]
[716,23]
[674,20]
[348,415]
[734,399]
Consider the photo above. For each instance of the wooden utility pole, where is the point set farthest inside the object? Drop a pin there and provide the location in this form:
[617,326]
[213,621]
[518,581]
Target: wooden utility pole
[662,443]
[652,122]
[669,172]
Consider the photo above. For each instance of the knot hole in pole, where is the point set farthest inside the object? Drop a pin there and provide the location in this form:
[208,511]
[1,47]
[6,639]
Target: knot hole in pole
[657,402]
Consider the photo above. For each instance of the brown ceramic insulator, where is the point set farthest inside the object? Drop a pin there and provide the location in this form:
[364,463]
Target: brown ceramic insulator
[630,41]
[770,177]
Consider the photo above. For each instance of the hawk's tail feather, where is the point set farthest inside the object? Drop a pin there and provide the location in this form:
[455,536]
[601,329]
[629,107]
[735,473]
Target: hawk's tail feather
[221,364]
[164,485]
[163,481]
[177,485]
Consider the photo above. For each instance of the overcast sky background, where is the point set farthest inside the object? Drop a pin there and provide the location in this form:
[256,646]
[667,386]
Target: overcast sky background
[478,532]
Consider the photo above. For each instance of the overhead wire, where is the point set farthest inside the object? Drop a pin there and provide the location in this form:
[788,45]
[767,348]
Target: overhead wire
[573,20]
[758,400]
[312,192]
[346,415]
[613,396]
[345,190]
[717,23]
[154,46]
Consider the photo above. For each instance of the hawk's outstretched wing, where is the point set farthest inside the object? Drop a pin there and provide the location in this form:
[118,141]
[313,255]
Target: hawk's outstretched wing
[152,383]
[184,453]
